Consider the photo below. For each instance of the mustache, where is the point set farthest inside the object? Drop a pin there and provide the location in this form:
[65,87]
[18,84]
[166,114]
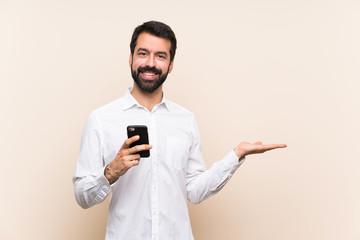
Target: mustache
[149,69]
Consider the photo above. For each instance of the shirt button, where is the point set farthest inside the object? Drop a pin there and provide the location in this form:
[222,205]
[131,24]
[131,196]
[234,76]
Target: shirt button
[154,187]
[154,163]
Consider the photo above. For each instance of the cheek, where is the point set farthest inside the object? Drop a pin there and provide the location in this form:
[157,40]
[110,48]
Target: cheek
[164,67]
[136,63]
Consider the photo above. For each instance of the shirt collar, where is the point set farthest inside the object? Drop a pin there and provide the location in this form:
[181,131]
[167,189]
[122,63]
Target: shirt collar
[130,101]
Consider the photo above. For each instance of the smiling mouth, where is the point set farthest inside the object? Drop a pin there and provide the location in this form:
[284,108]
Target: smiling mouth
[148,75]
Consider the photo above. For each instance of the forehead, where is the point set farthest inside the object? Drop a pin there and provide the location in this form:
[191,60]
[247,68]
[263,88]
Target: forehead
[152,43]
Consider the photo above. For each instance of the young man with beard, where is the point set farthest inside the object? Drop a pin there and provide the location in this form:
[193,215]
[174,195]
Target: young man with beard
[149,194]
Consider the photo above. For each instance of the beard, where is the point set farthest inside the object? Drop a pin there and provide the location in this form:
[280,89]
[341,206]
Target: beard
[148,85]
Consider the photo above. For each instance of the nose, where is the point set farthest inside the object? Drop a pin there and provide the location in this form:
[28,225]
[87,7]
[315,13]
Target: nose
[150,61]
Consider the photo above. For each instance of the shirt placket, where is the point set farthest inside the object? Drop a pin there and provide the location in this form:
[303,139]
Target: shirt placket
[155,179]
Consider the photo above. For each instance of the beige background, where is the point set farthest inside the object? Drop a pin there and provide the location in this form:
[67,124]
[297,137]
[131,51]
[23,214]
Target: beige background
[277,71]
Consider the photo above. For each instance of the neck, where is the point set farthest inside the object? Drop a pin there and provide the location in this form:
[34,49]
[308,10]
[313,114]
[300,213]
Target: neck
[147,99]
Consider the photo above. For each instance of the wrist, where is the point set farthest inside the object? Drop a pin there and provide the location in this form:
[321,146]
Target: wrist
[240,154]
[110,174]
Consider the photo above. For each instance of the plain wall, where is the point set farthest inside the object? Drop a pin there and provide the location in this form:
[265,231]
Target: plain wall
[276,71]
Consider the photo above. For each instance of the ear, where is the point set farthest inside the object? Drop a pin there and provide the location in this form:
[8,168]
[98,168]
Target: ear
[130,60]
[171,66]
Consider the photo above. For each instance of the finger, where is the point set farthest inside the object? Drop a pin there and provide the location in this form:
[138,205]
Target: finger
[258,143]
[278,145]
[132,157]
[139,148]
[135,162]
[274,146]
[129,141]
[130,161]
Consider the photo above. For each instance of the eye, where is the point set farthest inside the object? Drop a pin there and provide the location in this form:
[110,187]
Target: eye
[142,53]
[162,56]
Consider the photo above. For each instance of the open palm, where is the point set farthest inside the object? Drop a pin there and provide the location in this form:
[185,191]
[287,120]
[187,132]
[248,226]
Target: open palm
[246,148]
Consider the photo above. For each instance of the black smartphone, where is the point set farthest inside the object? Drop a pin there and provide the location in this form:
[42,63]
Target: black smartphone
[142,131]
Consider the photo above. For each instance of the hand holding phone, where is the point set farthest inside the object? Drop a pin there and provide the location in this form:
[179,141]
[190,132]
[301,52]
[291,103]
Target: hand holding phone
[141,131]
[126,158]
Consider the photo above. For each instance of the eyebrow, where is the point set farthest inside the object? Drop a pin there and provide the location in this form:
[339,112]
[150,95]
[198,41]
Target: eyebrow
[145,50]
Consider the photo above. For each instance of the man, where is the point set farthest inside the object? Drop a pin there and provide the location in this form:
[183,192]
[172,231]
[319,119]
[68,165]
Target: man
[149,194]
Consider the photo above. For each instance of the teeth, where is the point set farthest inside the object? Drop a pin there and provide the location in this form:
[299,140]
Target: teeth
[149,74]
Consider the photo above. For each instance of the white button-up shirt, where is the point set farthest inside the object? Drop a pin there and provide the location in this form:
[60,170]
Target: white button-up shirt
[150,200]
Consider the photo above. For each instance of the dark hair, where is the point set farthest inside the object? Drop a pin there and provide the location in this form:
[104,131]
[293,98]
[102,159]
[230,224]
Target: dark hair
[158,29]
